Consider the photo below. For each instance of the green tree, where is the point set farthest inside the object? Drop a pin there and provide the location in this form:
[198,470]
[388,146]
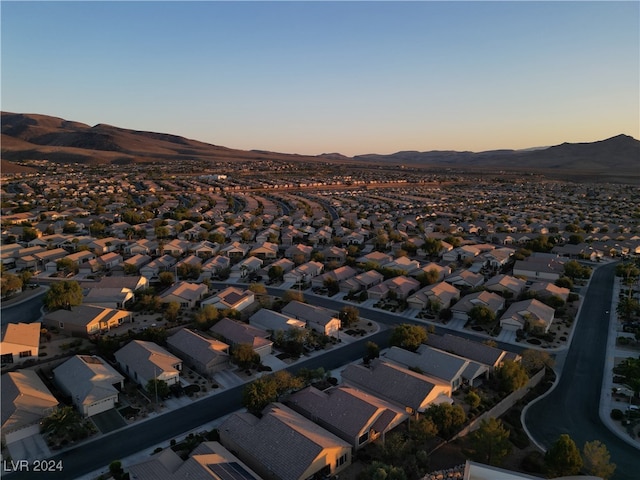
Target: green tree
[473,399]
[448,418]
[276,272]
[130,269]
[423,429]
[491,441]
[206,317]
[171,311]
[10,283]
[382,471]
[67,265]
[349,316]
[564,282]
[244,355]
[291,295]
[563,458]
[259,393]
[408,336]
[482,314]
[533,360]
[157,388]
[511,376]
[372,351]
[597,460]
[429,277]
[65,294]
[97,229]
[166,278]
[29,233]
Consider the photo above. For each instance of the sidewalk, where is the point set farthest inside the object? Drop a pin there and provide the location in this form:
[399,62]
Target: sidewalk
[607,402]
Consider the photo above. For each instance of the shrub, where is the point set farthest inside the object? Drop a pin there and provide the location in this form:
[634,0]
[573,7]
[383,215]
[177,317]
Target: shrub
[617,414]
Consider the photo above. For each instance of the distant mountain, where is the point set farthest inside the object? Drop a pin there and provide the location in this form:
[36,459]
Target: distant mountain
[619,153]
[34,137]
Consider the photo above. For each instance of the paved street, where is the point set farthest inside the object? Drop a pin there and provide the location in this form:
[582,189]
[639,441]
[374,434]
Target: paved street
[573,405]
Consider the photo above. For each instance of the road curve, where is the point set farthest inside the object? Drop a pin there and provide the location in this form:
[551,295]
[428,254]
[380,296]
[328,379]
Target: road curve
[573,405]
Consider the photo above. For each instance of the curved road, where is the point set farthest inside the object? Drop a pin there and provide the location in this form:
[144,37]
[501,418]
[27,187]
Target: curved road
[26,311]
[573,405]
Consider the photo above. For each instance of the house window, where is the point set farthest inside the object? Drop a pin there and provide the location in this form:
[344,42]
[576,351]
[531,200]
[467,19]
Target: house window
[61,324]
[7,358]
[26,353]
[342,460]
[363,438]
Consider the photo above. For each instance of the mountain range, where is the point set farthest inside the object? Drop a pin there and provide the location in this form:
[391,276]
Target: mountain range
[33,137]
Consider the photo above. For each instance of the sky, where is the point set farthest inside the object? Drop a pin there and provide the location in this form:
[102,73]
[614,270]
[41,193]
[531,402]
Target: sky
[318,77]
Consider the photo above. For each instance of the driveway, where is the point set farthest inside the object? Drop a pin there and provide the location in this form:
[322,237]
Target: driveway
[108,421]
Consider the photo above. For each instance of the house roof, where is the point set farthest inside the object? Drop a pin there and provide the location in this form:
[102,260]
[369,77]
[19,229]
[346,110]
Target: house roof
[148,359]
[490,300]
[83,315]
[395,383]
[476,351]
[349,410]
[238,332]
[185,290]
[25,399]
[308,313]
[204,350]
[88,379]
[532,308]
[282,441]
[27,334]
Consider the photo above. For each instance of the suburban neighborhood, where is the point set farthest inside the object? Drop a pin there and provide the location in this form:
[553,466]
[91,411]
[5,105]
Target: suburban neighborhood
[156,290]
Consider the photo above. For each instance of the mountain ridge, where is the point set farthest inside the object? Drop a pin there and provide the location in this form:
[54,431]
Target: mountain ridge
[37,136]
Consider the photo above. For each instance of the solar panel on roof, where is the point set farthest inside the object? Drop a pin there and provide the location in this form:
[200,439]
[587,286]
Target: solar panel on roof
[230,471]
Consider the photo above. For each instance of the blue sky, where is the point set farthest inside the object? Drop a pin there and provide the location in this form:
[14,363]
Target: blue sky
[314,77]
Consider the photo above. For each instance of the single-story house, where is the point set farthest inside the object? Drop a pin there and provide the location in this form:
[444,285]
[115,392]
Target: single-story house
[409,390]
[442,293]
[84,320]
[492,357]
[273,321]
[235,333]
[284,445]
[349,413]
[338,275]
[529,314]
[505,285]
[317,318]
[231,298]
[26,400]
[91,382]
[20,342]
[205,355]
[185,293]
[143,361]
[462,307]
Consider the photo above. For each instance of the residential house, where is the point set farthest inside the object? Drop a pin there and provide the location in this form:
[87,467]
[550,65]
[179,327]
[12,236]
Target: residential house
[154,268]
[144,361]
[378,259]
[335,255]
[26,400]
[184,293]
[214,266]
[498,257]
[402,286]
[443,270]
[338,275]
[205,249]
[505,285]
[235,333]
[405,264]
[231,298]
[465,279]
[246,266]
[490,300]
[409,390]
[304,272]
[205,355]
[273,321]
[540,267]
[176,247]
[529,314]
[265,251]
[453,369]
[137,261]
[363,281]
[349,413]
[548,289]
[209,460]
[318,319]
[299,253]
[458,254]
[284,445]
[491,357]
[441,294]
[105,245]
[84,320]
[91,382]
[235,250]
[20,342]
